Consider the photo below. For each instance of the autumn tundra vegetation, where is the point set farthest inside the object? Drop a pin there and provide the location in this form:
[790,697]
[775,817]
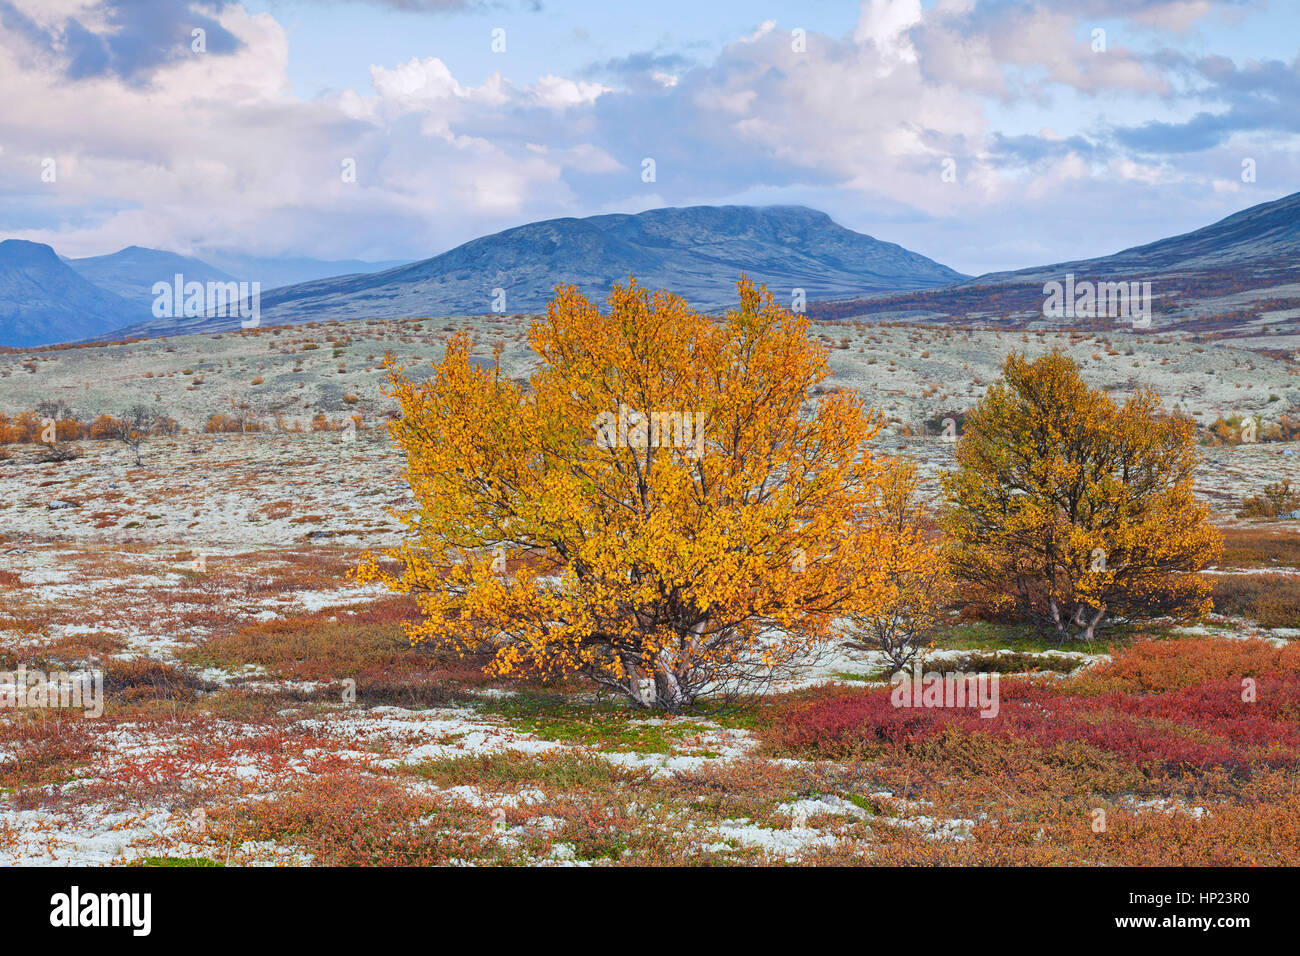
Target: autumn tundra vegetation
[57,424]
[1065,507]
[660,567]
[644,605]
[563,526]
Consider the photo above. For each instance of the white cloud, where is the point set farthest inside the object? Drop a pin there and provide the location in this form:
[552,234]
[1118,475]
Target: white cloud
[556,92]
[418,80]
[885,24]
[218,150]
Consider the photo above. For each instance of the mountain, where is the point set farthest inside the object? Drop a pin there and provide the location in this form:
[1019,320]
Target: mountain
[276,272]
[132,272]
[1264,237]
[43,300]
[697,252]
[1240,275]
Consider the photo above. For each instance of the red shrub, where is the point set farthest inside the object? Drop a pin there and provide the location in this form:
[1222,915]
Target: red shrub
[1192,726]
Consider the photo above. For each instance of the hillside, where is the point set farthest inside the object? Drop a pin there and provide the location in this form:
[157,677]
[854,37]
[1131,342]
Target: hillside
[132,272]
[1240,275]
[43,300]
[697,252]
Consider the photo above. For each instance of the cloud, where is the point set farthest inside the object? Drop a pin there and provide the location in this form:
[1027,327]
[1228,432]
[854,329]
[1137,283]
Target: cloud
[885,24]
[1259,97]
[159,147]
[217,152]
[128,39]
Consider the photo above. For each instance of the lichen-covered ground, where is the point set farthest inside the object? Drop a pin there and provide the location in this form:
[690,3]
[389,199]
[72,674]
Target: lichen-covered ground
[261,709]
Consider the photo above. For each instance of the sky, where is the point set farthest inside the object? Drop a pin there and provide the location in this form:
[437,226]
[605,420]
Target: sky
[986,134]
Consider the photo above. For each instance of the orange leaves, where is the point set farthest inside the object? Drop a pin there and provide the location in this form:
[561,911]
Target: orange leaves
[1075,505]
[661,508]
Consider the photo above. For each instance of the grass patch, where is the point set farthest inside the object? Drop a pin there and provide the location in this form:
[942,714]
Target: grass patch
[563,771]
[176,861]
[1260,548]
[1271,600]
[987,636]
[598,724]
[871,677]
[1007,662]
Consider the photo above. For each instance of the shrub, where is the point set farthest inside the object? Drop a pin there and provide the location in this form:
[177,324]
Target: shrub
[1260,547]
[220,423]
[1271,600]
[654,560]
[901,618]
[58,452]
[1163,707]
[1278,498]
[1065,506]
[151,680]
[349,820]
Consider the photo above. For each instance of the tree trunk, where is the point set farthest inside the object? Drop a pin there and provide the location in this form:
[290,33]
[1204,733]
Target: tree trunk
[1062,635]
[1091,629]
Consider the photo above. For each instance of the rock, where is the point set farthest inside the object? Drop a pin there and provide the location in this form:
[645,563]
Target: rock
[60,504]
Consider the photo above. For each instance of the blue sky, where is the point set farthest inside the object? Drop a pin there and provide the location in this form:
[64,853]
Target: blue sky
[1058,148]
[334,43]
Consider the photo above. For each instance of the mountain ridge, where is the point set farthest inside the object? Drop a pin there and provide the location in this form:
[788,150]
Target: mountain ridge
[1236,275]
[1210,276]
[1259,232]
[44,301]
[696,251]
[131,272]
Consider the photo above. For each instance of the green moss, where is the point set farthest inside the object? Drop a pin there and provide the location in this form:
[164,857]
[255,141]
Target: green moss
[597,724]
[984,636]
[567,772]
[862,803]
[871,677]
[176,861]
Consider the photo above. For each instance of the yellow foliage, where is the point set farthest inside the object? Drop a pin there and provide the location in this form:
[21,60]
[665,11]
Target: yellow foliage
[661,508]
[1067,506]
[902,617]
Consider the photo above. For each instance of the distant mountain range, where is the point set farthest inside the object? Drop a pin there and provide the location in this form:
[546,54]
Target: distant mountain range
[1222,276]
[132,272]
[282,271]
[697,252]
[1232,276]
[47,299]
[44,300]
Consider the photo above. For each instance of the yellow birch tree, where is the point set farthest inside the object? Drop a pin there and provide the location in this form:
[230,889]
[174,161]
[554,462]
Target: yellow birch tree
[1066,507]
[663,507]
